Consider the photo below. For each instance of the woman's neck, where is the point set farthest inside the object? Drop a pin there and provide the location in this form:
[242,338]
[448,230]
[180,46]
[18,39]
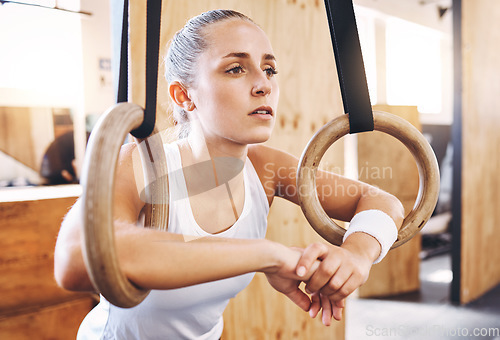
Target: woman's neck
[217,166]
[208,147]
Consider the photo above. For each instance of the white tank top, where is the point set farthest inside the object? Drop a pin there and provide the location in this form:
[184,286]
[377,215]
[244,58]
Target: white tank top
[193,312]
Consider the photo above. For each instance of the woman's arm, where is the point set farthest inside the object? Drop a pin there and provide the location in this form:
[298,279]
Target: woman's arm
[344,268]
[155,259]
[341,197]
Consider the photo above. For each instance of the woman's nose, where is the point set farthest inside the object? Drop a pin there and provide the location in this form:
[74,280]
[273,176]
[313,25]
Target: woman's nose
[262,85]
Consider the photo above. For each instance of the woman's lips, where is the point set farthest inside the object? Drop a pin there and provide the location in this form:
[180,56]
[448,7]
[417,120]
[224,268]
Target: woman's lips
[263,110]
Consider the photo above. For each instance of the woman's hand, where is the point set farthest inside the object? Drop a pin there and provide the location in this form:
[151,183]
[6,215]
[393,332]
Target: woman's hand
[330,308]
[331,274]
[312,304]
[290,288]
[340,273]
[342,270]
[285,280]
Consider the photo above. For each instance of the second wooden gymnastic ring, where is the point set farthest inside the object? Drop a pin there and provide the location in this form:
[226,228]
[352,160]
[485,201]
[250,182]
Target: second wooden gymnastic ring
[384,122]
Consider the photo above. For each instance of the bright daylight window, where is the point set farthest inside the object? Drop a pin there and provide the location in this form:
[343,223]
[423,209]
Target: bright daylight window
[365,24]
[414,75]
[41,51]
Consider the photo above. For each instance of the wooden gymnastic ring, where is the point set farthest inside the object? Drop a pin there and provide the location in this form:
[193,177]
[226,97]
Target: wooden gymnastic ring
[98,183]
[393,125]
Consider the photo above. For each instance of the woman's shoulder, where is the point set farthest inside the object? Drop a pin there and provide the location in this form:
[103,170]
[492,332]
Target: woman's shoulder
[260,156]
[267,157]
[273,166]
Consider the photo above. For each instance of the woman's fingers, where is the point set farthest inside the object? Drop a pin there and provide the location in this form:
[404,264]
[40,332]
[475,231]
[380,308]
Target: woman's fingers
[326,271]
[327,314]
[338,281]
[349,286]
[339,272]
[331,308]
[300,299]
[315,305]
[337,308]
[340,303]
[312,253]
[331,274]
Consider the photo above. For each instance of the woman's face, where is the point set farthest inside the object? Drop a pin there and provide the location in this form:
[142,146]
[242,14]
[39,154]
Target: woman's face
[235,91]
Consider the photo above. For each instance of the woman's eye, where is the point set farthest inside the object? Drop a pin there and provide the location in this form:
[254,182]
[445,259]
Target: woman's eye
[235,70]
[271,71]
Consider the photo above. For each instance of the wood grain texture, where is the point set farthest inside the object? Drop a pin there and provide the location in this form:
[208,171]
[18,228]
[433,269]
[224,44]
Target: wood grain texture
[55,322]
[25,133]
[384,162]
[16,122]
[480,251]
[27,239]
[98,176]
[33,306]
[309,97]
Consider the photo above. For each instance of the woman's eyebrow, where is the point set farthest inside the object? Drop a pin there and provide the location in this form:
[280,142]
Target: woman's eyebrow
[269,56]
[237,55]
[245,55]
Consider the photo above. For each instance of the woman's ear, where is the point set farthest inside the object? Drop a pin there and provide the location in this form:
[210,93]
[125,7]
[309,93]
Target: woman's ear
[180,96]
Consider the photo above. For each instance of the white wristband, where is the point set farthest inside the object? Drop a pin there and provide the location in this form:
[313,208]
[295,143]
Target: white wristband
[375,223]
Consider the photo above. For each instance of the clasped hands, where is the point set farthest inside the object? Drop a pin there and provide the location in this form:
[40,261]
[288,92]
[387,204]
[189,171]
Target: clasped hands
[330,274]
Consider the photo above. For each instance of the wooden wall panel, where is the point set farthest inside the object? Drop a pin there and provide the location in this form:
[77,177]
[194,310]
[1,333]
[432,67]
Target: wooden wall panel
[309,97]
[15,123]
[55,322]
[385,162]
[32,305]
[27,239]
[480,253]
[25,133]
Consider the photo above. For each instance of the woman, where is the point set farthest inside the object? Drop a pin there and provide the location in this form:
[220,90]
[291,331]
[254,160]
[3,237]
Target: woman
[222,79]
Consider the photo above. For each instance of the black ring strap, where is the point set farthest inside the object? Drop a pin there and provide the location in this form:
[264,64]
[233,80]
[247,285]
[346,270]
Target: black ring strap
[350,66]
[153,24]
[123,76]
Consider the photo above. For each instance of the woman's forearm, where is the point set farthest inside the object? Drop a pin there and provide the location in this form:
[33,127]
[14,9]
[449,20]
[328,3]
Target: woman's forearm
[158,260]
[381,200]
[364,243]
[155,259]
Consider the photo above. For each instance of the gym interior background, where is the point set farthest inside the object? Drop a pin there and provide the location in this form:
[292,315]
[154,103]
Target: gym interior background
[433,62]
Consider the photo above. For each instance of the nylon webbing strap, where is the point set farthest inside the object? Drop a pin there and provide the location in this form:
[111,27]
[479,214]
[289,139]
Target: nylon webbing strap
[350,66]
[123,76]
[152,53]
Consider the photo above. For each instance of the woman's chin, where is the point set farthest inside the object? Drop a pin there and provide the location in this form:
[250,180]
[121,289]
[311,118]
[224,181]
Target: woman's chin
[256,138]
